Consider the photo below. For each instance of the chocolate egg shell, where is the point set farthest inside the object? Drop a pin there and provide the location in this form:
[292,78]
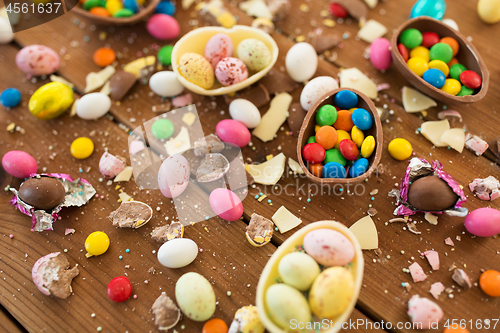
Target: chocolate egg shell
[120,84]
[42,193]
[431,194]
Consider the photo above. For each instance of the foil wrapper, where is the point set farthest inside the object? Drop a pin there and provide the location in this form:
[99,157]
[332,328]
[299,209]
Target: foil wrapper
[418,168]
[78,193]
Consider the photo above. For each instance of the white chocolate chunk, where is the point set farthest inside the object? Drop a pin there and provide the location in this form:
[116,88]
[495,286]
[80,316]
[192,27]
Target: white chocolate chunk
[124,175]
[55,78]
[371,31]
[366,233]
[268,173]
[295,166]
[284,220]
[257,8]
[96,80]
[434,130]
[371,3]
[135,66]
[274,117]
[355,79]
[475,144]
[179,144]
[106,89]
[72,113]
[189,118]
[415,101]
[432,219]
[455,138]
[124,197]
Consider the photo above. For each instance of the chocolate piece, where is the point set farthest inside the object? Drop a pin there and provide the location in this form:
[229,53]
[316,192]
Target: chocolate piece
[120,83]
[207,145]
[258,95]
[431,193]
[167,314]
[321,43]
[355,8]
[132,214]
[486,189]
[42,193]
[168,232]
[275,82]
[475,144]
[296,115]
[461,278]
[259,230]
[52,275]
[279,9]
[494,147]
[212,167]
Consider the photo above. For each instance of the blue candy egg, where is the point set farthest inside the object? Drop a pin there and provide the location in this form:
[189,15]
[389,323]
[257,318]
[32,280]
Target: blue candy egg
[131,5]
[10,97]
[346,99]
[431,8]
[362,119]
[166,7]
[358,168]
[333,170]
[434,77]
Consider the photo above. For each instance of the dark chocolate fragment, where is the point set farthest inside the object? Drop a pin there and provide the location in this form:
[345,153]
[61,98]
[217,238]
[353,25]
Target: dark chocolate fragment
[42,193]
[322,43]
[275,82]
[168,232]
[431,194]
[167,314]
[120,83]
[296,115]
[258,95]
[356,8]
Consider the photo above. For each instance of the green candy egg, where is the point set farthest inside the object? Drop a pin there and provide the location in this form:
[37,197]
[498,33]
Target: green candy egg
[285,304]
[312,139]
[165,55]
[89,4]
[124,12]
[162,129]
[411,38]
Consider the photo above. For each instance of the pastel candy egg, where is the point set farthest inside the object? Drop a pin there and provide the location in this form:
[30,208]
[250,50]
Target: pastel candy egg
[329,247]
[245,112]
[197,70]
[489,11]
[301,62]
[315,89]
[230,71]
[173,176]
[19,164]
[218,47]
[37,60]
[233,132]
[163,27]
[380,54]
[50,100]
[226,204]
[10,97]
[165,84]
[483,222]
[298,270]
[254,53]
[177,253]
[6,34]
[286,305]
[195,296]
[93,106]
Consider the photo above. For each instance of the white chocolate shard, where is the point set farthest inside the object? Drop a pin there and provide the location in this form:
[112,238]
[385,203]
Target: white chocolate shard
[274,117]
[455,138]
[96,80]
[371,31]
[366,233]
[475,144]
[189,118]
[415,101]
[355,79]
[295,166]
[257,8]
[268,173]
[284,220]
[371,3]
[179,144]
[135,66]
[434,130]
[432,219]
[124,175]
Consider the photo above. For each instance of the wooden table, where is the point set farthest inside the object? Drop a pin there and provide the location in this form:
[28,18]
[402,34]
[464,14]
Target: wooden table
[229,262]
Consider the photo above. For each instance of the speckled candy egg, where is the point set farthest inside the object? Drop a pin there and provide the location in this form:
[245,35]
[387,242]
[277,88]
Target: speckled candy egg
[233,132]
[329,247]
[298,270]
[226,204]
[218,47]
[50,100]
[380,54]
[177,252]
[37,60]
[197,70]
[195,296]
[230,71]
[331,292]
[19,164]
[316,88]
[163,27]
[483,222]
[285,304]
[173,176]
[254,53]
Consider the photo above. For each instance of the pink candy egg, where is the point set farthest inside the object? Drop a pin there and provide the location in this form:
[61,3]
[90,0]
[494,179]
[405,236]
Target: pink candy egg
[110,165]
[230,71]
[226,204]
[173,176]
[37,60]
[329,247]
[163,27]
[19,164]
[483,222]
[218,47]
[233,132]
[380,54]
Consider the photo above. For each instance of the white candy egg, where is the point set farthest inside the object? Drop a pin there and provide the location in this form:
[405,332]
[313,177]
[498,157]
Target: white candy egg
[316,88]
[173,176]
[301,62]
[451,23]
[165,84]
[178,252]
[245,112]
[6,34]
[93,106]
[195,296]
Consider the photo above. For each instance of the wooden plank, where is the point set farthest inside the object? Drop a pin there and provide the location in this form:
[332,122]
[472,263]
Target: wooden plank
[8,323]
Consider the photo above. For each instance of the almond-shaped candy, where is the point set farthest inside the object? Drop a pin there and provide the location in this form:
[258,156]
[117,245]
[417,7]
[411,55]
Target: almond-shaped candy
[197,70]
[329,247]
[120,83]
[38,60]
[42,193]
[218,47]
[52,275]
[110,165]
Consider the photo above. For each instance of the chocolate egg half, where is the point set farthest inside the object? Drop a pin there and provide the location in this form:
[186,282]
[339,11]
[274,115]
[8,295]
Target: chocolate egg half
[42,193]
[431,194]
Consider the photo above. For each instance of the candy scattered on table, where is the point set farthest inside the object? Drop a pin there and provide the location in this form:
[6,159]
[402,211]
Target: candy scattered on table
[490,283]
[483,222]
[173,176]
[163,27]
[167,314]
[96,244]
[82,148]
[178,252]
[10,97]
[195,296]
[119,289]
[226,204]
[432,8]
[52,275]
[38,60]
[301,62]
[50,100]
[104,56]
[400,149]
[19,164]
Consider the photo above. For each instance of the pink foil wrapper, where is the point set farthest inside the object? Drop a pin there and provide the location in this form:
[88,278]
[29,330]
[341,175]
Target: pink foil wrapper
[78,193]
[417,168]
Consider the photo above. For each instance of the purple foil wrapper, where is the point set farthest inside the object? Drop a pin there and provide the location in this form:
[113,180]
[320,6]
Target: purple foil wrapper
[418,168]
[78,193]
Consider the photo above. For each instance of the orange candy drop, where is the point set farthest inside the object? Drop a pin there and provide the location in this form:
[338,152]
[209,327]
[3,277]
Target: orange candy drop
[104,56]
[215,325]
[326,136]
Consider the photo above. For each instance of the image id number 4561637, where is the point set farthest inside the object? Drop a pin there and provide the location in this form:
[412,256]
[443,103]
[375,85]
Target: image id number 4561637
[473,324]
[33,8]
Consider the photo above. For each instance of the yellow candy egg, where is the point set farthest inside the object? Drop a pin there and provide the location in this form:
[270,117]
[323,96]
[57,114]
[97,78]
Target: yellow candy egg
[441,65]
[452,87]
[341,135]
[420,52]
[400,149]
[331,292]
[368,146]
[50,100]
[316,128]
[357,136]
[96,243]
[82,148]
[196,69]
[112,6]
[352,109]
[489,10]
[417,65]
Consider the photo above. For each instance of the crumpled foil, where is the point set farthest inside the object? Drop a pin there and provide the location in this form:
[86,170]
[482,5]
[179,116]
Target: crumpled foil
[418,168]
[78,193]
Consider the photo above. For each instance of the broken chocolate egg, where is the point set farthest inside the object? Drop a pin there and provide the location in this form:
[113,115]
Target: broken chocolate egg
[431,194]
[42,193]
[110,165]
[208,145]
[132,214]
[167,314]
[212,167]
[259,230]
[168,232]
[52,275]
[461,278]
[120,83]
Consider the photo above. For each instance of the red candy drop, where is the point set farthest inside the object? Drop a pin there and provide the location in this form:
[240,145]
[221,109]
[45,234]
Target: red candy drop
[349,150]
[119,289]
[471,79]
[313,153]
[338,11]
[404,51]
[429,39]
